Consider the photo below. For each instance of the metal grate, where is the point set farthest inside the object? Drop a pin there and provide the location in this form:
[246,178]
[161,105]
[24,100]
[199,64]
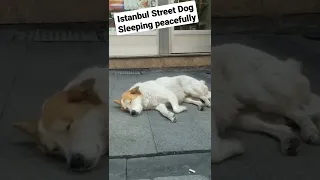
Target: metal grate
[128,72]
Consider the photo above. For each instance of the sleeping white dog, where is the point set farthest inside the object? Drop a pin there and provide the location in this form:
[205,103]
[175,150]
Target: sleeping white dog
[243,78]
[158,94]
[188,90]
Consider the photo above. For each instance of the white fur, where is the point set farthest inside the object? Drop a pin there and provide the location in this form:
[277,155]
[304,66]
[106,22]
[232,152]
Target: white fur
[185,86]
[245,76]
[156,94]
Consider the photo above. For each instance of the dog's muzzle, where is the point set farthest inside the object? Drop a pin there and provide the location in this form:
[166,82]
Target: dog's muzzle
[134,113]
[79,163]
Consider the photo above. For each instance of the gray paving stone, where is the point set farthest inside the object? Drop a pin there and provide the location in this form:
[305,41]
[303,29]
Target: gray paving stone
[117,169]
[189,177]
[203,118]
[129,135]
[235,169]
[264,156]
[122,84]
[164,166]
[112,82]
[149,76]
[9,64]
[39,168]
[184,135]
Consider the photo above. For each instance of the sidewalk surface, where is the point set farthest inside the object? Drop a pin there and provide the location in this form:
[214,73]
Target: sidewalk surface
[171,167]
[150,133]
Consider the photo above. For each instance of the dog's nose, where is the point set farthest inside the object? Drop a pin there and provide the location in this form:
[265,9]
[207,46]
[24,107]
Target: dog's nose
[133,113]
[77,161]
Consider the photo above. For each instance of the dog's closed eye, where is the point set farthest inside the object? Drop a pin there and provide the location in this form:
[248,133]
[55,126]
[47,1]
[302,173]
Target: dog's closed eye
[55,149]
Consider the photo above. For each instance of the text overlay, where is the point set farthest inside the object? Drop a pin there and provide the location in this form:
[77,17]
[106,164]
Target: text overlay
[159,17]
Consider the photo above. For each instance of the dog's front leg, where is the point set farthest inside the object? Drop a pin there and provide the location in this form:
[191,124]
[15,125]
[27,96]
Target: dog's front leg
[197,103]
[308,130]
[175,105]
[166,113]
[222,149]
[204,99]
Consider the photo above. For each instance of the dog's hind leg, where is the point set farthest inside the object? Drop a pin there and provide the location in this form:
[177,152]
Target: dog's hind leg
[205,99]
[222,149]
[175,104]
[289,142]
[166,113]
[308,129]
[192,101]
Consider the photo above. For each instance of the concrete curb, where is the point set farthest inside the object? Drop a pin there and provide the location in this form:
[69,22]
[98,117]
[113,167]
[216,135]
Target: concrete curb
[160,62]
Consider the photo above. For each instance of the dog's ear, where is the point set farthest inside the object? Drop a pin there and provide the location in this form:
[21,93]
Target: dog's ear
[117,102]
[135,90]
[203,82]
[88,83]
[84,91]
[28,127]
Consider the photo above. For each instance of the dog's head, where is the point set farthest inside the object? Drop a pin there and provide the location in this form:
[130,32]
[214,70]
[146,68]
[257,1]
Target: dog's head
[131,101]
[71,124]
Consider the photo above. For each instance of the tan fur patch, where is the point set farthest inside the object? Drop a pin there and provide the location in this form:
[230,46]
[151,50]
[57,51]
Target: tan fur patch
[59,108]
[64,107]
[128,96]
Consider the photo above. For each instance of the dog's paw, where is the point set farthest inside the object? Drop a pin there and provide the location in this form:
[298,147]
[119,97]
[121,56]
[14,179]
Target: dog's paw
[311,137]
[183,108]
[290,146]
[172,117]
[201,108]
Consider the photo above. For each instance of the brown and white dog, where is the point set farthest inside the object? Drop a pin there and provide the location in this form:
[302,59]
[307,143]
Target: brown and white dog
[158,94]
[73,121]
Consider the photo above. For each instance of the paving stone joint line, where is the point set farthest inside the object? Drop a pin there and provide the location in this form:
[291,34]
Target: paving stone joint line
[168,153]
